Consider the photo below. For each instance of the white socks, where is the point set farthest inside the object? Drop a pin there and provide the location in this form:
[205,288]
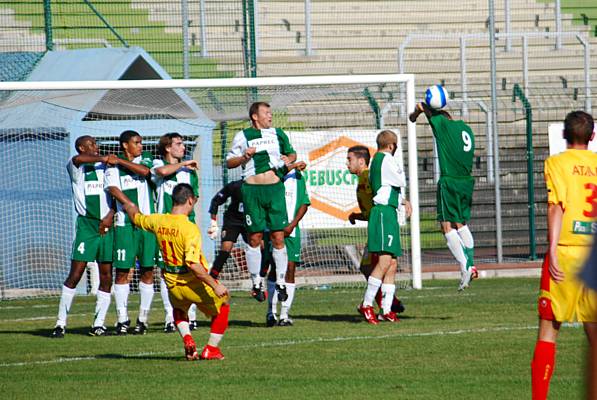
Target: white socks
[192,312]
[373,285]
[214,339]
[253,255]
[146,294]
[121,296]
[280,257]
[466,236]
[457,248]
[387,292]
[168,311]
[66,300]
[101,307]
[287,304]
[183,328]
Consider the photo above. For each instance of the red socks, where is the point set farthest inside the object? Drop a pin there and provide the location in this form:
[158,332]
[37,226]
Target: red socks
[219,323]
[542,368]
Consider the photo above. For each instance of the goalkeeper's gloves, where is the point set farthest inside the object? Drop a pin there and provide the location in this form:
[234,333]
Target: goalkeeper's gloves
[213,229]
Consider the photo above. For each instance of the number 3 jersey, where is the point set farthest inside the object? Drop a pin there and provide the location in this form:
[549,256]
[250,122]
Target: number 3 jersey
[455,145]
[571,179]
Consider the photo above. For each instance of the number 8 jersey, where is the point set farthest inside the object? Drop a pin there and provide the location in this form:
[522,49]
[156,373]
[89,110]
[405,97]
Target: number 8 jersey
[455,145]
[571,179]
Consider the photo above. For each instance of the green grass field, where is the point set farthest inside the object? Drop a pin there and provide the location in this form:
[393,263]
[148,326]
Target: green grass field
[473,345]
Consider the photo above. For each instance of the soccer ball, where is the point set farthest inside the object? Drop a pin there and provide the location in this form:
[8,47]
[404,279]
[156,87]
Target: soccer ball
[436,97]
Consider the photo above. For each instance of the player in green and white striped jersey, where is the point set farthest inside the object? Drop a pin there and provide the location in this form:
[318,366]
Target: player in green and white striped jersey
[93,236]
[383,233]
[261,150]
[130,183]
[297,203]
[166,174]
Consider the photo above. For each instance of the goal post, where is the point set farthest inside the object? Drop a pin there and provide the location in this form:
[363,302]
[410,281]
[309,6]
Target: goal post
[320,113]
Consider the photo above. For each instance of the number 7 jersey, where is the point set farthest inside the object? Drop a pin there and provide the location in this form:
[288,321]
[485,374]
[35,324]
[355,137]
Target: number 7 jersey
[571,179]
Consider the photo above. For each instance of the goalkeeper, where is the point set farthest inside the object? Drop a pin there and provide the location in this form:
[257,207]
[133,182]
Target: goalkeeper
[456,148]
[234,223]
[185,270]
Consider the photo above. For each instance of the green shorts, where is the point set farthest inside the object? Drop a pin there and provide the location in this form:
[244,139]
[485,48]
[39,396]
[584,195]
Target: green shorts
[454,199]
[89,245]
[265,207]
[132,243]
[293,247]
[383,232]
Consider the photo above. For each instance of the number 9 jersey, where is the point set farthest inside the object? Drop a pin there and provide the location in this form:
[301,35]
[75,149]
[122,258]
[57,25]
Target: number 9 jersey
[571,179]
[455,145]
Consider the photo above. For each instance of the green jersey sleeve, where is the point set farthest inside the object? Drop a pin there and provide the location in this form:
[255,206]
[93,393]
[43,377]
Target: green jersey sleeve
[285,146]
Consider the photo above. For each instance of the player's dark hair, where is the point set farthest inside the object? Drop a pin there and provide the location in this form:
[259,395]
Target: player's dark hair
[254,109]
[386,138]
[125,137]
[181,193]
[578,127]
[165,141]
[361,151]
[80,140]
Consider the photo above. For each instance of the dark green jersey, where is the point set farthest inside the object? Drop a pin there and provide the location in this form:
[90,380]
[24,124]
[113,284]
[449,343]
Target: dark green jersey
[455,145]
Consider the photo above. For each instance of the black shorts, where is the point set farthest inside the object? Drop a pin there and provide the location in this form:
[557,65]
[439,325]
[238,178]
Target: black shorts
[230,233]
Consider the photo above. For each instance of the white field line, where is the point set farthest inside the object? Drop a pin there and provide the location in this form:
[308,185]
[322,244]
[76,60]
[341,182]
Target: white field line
[40,318]
[290,343]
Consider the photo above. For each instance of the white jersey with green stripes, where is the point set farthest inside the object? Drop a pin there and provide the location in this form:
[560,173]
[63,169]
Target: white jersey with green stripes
[87,181]
[165,185]
[270,145]
[296,196]
[135,187]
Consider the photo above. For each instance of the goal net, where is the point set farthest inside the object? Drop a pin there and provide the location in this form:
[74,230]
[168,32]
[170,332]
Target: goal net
[323,117]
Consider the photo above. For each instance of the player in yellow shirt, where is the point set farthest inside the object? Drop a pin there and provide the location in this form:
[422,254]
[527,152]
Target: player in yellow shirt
[571,179]
[185,271]
[357,162]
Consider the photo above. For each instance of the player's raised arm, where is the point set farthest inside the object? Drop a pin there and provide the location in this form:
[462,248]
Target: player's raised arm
[201,273]
[138,169]
[169,169]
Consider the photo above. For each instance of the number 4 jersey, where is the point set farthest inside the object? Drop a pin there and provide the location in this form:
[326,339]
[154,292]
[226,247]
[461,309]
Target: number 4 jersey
[455,145]
[571,179]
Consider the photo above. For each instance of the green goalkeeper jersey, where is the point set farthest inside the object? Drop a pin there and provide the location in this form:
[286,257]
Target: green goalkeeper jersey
[270,144]
[135,187]
[455,145]
[165,185]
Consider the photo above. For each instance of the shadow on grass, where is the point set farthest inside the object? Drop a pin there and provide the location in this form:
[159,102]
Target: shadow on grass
[158,357]
[358,319]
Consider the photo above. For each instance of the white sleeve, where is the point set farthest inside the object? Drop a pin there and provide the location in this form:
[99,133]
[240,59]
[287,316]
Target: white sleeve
[155,178]
[391,172]
[112,178]
[74,172]
[239,145]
